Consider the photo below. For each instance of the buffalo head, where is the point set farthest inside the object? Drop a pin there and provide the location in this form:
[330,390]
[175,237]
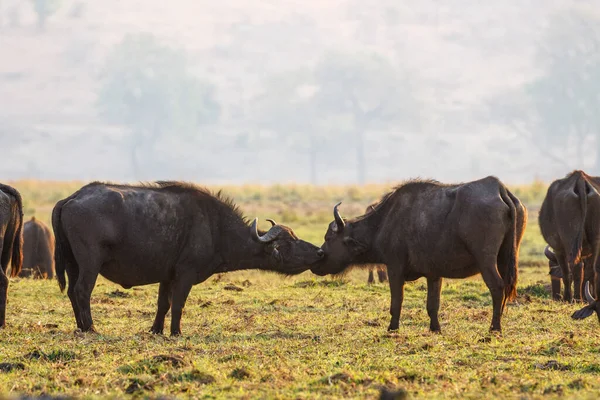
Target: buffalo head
[286,252]
[342,247]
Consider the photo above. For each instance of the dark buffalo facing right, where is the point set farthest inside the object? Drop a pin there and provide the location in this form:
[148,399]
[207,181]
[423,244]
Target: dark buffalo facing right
[38,250]
[171,233]
[432,230]
[11,241]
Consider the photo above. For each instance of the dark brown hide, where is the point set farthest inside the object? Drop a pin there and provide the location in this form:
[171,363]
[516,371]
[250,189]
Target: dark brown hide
[11,241]
[428,229]
[568,221]
[38,250]
[381,269]
[170,233]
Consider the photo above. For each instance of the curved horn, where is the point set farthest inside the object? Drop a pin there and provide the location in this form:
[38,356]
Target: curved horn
[549,254]
[588,294]
[267,237]
[273,223]
[338,218]
[254,230]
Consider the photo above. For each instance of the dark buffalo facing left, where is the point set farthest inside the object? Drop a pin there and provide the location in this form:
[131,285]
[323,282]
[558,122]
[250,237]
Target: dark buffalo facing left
[38,250]
[11,241]
[433,230]
[171,233]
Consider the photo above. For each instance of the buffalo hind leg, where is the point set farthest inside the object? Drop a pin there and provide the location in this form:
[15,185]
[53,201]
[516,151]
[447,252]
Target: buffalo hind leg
[494,282]
[83,294]
[371,278]
[89,260]
[4,261]
[73,276]
[396,280]
[578,281]
[562,260]
[164,304]
[434,290]
[382,274]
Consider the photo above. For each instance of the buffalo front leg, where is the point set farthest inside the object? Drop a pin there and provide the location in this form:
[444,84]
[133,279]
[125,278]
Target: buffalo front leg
[181,289]
[434,290]
[396,280]
[371,278]
[164,304]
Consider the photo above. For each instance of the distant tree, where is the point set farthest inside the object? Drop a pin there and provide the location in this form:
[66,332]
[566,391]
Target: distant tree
[370,93]
[286,107]
[44,9]
[559,111]
[345,96]
[148,87]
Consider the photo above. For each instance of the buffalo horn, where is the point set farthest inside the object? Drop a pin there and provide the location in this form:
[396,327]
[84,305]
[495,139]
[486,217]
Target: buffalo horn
[588,295]
[338,218]
[549,254]
[267,237]
[273,223]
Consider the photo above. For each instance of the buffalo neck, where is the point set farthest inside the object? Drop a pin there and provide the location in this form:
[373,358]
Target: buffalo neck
[365,230]
[238,250]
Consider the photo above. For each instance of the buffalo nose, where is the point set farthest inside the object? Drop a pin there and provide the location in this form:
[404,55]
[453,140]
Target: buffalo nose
[321,253]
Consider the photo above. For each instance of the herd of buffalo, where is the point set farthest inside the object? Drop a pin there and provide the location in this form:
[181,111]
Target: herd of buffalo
[178,235]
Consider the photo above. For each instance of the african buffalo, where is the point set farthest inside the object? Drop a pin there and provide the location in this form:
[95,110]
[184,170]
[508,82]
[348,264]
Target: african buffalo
[171,233]
[556,274]
[433,230]
[38,250]
[11,241]
[568,220]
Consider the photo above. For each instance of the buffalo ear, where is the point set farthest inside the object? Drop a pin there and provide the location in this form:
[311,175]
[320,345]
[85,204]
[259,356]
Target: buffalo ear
[356,247]
[273,252]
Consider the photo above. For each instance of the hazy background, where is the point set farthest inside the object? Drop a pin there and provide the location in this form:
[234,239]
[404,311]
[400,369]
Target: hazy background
[320,91]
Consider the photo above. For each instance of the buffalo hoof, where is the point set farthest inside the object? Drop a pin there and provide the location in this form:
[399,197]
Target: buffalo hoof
[157,330]
[584,312]
[175,333]
[81,333]
[393,328]
[436,330]
[90,329]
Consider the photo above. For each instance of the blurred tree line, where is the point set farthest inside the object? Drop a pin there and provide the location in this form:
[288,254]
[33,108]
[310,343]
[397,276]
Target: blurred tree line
[149,88]
[328,109]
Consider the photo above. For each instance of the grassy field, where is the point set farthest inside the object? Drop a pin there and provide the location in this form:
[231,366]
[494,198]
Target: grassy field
[260,335]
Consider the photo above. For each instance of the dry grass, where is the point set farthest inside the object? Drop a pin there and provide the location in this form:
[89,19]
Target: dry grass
[298,337]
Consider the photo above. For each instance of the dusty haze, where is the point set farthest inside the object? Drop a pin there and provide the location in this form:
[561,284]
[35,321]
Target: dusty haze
[326,91]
